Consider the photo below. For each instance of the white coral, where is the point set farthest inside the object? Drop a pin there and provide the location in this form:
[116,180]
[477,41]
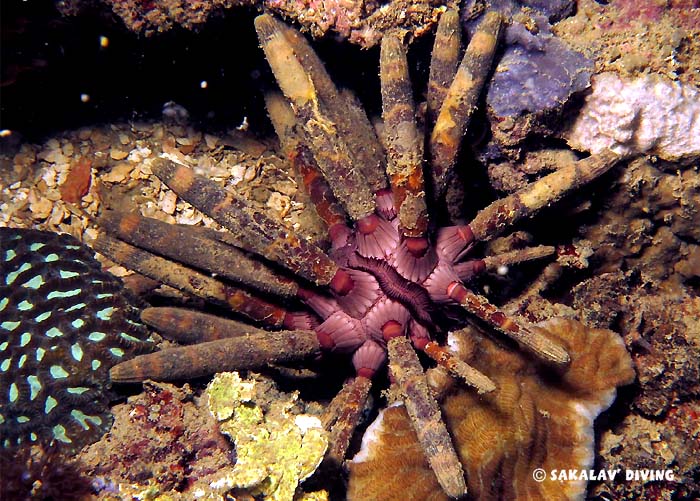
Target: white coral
[649,114]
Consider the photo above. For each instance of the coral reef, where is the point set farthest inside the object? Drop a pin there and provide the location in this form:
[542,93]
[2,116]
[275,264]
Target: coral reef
[63,324]
[637,269]
[648,115]
[358,21]
[608,33]
[276,446]
[535,420]
[385,289]
[180,453]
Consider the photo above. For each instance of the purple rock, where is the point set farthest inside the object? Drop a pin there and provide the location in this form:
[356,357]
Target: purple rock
[537,76]
[537,71]
[554,10]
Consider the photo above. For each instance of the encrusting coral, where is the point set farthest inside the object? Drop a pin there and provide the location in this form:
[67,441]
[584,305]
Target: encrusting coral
[276,446]
[537,419]
[649,114]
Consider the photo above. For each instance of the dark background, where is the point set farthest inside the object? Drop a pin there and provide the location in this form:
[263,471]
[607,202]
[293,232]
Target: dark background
[48,60]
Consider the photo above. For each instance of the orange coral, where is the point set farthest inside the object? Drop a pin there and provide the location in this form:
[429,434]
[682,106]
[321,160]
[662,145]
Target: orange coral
[535,419]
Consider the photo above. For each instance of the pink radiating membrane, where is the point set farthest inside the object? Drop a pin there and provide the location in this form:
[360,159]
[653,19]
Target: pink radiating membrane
[385,204]
[341,333]
[369,358]
[384,311]
[439,281]
[376,237]
[413,268]
[469,269]
[299,320]
[324,306]
[453,241]
[419,335]
[362,296]
[341,283]
[339,234]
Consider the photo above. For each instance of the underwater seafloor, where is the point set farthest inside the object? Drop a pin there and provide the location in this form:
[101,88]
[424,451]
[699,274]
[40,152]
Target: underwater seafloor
[92,91]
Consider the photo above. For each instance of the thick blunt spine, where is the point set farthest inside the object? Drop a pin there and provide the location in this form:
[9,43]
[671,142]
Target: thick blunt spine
[201,251]
[333,156]
[232,354]
[519,331]
[457,367]
[444,61]
[461,99]
[190,281]
[426,418]
[403,141]
[261,234]
[343,415]
[191,326]
[518,256]
[501,214]
[319,192]
[345,110]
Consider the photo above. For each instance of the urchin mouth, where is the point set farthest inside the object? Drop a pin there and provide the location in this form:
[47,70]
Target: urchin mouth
[413,296]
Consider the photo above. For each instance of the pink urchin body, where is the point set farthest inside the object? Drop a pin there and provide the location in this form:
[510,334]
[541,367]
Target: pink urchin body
[394,286]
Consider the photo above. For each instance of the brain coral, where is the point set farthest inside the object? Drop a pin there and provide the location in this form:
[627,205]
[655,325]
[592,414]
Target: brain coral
[63,324]
[535,419]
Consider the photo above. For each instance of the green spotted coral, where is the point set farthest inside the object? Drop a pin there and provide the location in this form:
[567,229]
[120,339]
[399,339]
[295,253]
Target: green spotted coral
[63,323]
[277,447]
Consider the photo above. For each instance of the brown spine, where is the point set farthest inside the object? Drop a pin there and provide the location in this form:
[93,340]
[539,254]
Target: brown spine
[262,235]
[194,247]
[190,281]
[501,214]
[402,140]
[301,158]
[518,256]
[238,353]
[333,156]
[519,331]
[444,61]
[457,367]
[362,140]
[425,416]
[191,326]
[461,99]
[344,109]
[347,410]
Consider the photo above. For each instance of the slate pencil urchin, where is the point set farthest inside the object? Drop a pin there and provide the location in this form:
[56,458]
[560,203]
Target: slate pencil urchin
[380,294]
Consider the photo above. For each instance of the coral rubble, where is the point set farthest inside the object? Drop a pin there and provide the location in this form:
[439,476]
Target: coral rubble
[177,446]
[662,328]
[536,420]
[63,324]
[632,37]
[650,224]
